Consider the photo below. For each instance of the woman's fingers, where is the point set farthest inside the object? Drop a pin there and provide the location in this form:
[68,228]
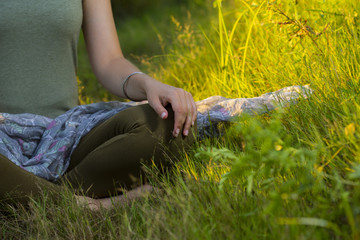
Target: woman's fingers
[194,111]
[178,104]
[190,113]
[185,112]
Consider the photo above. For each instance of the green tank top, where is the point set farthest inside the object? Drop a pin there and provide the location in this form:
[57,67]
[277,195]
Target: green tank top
[38,55]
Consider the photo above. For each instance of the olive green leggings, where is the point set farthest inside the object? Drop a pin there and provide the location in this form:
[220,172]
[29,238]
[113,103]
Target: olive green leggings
[109,158]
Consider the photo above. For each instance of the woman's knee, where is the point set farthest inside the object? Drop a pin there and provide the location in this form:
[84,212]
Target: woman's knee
[167,147]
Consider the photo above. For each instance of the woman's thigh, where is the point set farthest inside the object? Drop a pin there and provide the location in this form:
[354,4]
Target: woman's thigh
[17,185]
[111,155]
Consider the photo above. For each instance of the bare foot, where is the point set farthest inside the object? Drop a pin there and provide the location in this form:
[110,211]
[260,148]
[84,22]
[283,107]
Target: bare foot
[87,202]
[110,202]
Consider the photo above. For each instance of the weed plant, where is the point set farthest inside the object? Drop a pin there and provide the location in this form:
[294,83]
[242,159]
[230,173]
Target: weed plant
[290,174]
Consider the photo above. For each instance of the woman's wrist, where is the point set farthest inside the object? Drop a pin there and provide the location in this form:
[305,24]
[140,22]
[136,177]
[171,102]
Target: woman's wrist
[124,85]
[145,83]
[134,86]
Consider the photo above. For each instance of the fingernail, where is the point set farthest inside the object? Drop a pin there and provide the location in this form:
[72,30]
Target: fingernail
[186,132]
[177,132]
[163,115]
[193,123]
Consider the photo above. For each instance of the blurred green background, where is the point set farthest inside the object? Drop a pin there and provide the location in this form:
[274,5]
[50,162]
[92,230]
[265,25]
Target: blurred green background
[140,23]
[123,9]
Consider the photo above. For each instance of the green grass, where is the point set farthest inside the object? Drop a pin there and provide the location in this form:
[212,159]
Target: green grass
[290,174]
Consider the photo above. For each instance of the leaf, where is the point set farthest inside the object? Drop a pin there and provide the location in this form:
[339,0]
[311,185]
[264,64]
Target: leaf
[278,147]
[350,129]
[318,222]
[250,180]
[356,173]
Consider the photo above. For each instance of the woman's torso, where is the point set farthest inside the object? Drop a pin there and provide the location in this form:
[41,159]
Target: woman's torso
[38,55]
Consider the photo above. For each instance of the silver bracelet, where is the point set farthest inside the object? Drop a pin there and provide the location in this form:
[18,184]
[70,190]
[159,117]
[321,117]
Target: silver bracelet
[125,81]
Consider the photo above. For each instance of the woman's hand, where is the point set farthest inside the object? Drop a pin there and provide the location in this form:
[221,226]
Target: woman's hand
[159,95]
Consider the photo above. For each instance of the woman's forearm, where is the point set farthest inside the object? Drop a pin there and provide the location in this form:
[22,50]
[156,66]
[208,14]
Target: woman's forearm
[113,74]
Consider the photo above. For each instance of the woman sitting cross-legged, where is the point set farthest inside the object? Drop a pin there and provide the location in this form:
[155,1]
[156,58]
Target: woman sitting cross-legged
[47,140]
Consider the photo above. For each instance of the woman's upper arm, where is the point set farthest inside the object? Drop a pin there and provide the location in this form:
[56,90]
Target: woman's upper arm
[100,33]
